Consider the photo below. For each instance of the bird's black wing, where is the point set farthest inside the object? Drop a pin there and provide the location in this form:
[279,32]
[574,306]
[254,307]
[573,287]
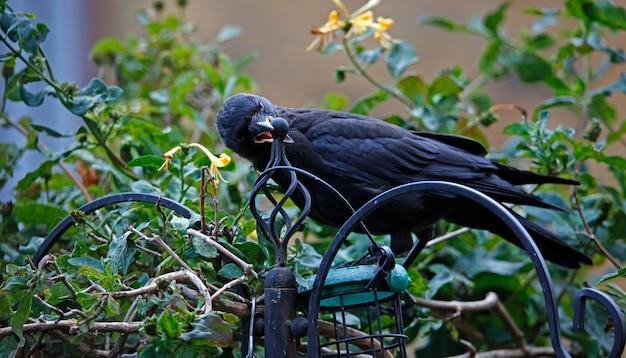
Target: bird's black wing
[380,154]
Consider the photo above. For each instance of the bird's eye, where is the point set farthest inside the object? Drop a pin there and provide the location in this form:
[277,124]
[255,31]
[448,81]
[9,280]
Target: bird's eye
[240,138]
[260,105]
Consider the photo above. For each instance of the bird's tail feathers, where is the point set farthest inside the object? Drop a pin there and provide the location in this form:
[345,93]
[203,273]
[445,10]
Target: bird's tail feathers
[520,177]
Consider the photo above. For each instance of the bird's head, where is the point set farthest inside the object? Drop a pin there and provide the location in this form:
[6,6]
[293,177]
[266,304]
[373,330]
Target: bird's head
[245,120]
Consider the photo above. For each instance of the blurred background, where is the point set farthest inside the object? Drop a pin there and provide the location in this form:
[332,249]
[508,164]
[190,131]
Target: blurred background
[279,31]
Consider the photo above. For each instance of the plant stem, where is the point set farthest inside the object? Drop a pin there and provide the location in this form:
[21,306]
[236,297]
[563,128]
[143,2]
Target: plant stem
[393,93]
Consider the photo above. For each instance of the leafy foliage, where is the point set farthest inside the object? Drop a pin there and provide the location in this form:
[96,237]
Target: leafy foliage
[130,278]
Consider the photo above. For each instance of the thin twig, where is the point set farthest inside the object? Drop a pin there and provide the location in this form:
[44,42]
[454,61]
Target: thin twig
[590,233]
[447,236]
[248,268]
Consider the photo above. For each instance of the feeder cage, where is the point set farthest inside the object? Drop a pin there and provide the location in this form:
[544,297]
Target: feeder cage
[360,312]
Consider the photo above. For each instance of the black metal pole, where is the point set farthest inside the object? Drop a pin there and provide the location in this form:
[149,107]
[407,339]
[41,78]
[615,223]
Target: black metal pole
[280,310]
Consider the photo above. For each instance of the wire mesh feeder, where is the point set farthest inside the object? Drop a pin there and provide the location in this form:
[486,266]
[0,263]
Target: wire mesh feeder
[360,309]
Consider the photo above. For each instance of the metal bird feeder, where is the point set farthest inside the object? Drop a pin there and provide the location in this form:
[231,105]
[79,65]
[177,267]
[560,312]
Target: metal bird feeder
[357,290]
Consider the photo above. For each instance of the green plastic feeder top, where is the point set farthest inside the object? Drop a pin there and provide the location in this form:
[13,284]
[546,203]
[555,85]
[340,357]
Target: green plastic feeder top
[347,286]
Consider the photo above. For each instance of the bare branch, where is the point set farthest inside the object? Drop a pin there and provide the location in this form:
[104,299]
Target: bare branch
[248,268]
[71,325]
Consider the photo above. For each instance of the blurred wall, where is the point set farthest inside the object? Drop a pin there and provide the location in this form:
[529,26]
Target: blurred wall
[279,30]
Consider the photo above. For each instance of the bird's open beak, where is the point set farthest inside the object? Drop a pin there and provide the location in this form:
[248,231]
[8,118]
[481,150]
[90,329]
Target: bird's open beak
[265,128]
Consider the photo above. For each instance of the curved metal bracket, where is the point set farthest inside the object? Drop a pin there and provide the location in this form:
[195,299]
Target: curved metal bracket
[499,212]
[90,207]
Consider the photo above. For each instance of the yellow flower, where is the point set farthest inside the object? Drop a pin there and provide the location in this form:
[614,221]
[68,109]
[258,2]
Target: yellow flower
[360,21]
[326,32]
[216,162]
[381,34]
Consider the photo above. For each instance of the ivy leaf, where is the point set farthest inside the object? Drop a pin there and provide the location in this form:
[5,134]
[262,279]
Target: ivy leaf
[210,329]
[399,58]
[231,271]
[203,249]
[122,253]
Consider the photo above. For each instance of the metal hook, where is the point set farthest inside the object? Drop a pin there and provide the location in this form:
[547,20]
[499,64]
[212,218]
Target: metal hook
[251,335]
[616,315]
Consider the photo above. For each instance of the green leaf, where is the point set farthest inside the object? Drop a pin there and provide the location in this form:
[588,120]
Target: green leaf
[366,104]
[106,50]
[400,57]
[87,262]
[602,109]
[180,224]
[617,86]
[170,325]
[556,102]
[35,99]
[44,171]
[494,19]
[49,131]
[369,57]
[231,271]
[609,15]
[30,212]
[227,33]
[334,101]
[203,249]
[153,161]
[614,161]
[122,253]
[616,135]
[444,23]
[443,86]
[414,88]
[580,9]
[531,68]
[21,315]
[210,329]
[489,56]
[20,29]
[540,41]
[95,92]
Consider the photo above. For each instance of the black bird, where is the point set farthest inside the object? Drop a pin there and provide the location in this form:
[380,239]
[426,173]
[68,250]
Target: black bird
[362,156]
